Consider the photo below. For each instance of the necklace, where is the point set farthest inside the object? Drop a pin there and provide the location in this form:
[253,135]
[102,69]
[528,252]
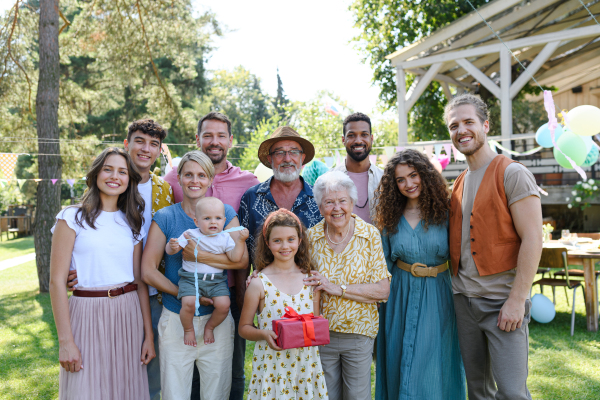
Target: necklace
[345,236]
[364,205]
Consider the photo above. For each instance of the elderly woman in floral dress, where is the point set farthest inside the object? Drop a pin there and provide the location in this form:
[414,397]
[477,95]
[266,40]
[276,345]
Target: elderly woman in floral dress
[353,277]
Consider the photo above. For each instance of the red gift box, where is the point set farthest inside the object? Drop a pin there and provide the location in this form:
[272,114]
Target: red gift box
[300,330]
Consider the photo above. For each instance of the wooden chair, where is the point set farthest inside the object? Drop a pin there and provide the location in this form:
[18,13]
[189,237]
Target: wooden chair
[557,258]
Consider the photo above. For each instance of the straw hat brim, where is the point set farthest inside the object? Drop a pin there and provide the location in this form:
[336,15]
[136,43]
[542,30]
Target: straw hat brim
[307,147]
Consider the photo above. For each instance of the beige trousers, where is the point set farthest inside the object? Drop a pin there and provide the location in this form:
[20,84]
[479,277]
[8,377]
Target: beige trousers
[177,359]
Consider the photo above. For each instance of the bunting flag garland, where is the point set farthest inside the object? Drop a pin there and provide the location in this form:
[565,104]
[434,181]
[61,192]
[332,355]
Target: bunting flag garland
[71,182]
[7,164]
[54,181]
[329,162]
[389,152]
[20,182]
[497,145]
[37,180]
[3,183]
[384,159]
[338,158]
[447,147]
[429,151]
[438,150]
[458,156]
[399,149]
[373,159]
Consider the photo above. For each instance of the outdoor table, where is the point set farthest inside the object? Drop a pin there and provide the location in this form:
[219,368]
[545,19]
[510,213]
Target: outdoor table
[591,299]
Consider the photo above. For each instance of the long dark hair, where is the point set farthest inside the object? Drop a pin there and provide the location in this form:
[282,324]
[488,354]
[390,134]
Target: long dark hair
[264,256]
[130,202]
[433,200]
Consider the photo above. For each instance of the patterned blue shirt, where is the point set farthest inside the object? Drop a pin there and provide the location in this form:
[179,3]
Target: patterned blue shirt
[258,202]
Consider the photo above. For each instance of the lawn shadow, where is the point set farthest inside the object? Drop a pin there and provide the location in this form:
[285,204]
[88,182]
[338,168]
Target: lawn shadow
[30,346]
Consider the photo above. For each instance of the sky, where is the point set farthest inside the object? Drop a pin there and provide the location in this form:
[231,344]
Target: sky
[309,41]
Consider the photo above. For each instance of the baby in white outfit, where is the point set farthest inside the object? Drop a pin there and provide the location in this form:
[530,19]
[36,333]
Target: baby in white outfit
[212,282]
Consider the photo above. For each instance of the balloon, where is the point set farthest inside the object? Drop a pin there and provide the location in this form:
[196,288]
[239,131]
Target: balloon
[584,120]
[573,146]
[542,309]
[591,157]
[436,164]
[263,173]
[588,143]
[542,136]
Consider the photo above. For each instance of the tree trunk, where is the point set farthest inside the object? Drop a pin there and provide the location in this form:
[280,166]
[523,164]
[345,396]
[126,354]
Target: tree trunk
[49,165]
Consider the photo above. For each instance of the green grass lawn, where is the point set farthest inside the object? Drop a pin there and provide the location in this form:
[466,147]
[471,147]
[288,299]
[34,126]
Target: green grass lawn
[560,367]
[16,247]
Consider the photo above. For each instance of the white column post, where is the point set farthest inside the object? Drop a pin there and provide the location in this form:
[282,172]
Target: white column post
[402,111]
[505,99]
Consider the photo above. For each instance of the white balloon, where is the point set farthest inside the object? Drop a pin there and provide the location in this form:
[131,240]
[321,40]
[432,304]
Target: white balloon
[584,120]
[542,309]
[263,173]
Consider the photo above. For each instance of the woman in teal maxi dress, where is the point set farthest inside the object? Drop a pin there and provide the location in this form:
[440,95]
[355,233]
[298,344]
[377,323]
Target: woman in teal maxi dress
[418,355]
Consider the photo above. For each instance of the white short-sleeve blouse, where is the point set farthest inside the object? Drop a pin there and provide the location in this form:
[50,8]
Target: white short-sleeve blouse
[101,256]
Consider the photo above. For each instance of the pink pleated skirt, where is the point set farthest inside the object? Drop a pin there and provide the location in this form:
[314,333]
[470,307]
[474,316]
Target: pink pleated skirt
[109,334]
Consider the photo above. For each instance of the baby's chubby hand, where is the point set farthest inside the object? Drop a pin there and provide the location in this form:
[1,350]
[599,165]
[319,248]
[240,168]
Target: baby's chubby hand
[244,234]
[174,245]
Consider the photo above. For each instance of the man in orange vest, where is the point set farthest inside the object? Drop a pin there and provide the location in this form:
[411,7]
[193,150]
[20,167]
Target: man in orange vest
[495,248]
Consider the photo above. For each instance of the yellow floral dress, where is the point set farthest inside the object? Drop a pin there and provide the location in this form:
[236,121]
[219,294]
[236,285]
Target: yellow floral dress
[286,374]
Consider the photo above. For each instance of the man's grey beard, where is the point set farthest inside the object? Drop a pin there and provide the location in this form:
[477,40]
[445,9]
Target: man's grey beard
[286,176]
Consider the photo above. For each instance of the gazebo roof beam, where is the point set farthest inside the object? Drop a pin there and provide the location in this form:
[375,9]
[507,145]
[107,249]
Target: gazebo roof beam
[574,64]
[516,15]
[441,78]
[532,68]
[512,44]
[570,82]
[460,25]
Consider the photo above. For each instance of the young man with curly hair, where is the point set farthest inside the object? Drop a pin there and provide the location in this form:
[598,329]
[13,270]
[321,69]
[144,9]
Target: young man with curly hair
[358,140]
[495,248]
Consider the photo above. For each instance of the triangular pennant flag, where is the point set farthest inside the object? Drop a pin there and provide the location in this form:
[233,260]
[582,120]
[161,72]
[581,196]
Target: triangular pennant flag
[7,164]
[37,180]
[438,150]
[444,161]
[384,159]
[389,152]
[338,158]
[3,182]
[418,148]
[54,181]
[373,159]
[458,156]
[329,162]
[492,146]
[20,182]
[399,149]
[447,148]
[71,182]
[429,151]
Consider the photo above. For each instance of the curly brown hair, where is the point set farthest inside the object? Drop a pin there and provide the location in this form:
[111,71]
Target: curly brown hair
[433,200]
[148,127]
[264,256]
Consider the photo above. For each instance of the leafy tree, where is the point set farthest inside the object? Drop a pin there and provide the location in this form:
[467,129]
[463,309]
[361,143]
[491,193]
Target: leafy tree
[388,25]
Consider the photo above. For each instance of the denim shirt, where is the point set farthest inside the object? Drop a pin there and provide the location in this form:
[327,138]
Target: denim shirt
[258,202]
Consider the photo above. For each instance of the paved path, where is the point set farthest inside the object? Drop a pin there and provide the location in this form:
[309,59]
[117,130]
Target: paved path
[13,262]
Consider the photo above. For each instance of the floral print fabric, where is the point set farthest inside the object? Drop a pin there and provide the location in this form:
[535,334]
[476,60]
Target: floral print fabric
[286,374]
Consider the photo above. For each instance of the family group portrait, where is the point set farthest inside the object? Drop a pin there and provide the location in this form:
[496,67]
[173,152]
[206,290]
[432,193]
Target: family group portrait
[350,200]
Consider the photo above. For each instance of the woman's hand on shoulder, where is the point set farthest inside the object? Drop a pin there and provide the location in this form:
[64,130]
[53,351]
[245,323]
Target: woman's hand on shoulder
[253,275]
[69,357]
[148,351]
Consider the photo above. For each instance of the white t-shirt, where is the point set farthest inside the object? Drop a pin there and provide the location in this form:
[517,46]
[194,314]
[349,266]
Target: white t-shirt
[101,256]
[145,190]
[217,244]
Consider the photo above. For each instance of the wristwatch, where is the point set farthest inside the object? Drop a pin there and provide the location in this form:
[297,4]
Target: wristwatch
[343,290]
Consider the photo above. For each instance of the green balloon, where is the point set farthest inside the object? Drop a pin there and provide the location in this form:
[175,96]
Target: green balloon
[571,145]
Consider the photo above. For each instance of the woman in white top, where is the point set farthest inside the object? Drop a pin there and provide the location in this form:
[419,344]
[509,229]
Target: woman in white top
[106,323]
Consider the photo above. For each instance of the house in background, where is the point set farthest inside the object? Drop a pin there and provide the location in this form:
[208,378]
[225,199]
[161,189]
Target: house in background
[559,43]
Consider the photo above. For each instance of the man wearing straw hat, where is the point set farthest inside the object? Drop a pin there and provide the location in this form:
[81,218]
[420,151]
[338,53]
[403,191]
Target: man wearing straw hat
[285,152]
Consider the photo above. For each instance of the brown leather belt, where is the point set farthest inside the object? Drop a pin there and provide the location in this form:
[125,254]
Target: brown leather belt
[111,293]
[421,270]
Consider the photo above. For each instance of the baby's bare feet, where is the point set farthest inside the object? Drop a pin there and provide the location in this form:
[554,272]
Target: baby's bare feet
[209,336]
[189,338]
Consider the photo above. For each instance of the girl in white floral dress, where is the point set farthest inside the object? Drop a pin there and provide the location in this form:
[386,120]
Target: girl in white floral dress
[283,261]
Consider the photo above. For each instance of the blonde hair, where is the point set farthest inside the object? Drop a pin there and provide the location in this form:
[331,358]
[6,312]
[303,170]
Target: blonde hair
[202,160]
